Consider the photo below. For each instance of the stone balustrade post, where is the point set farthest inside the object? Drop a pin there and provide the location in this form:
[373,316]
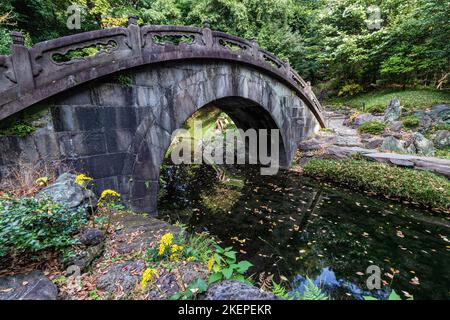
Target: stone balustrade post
[255,48]
[207,35]
[134,36]
[287,67]
[21,63]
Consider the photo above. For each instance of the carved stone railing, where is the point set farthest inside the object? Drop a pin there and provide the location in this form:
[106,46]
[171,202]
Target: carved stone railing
[31,75]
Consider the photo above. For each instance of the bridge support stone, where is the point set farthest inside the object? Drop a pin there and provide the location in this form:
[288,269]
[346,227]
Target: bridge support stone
[118,134]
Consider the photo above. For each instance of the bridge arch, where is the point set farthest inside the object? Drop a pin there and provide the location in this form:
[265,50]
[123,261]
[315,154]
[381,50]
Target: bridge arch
[119,132]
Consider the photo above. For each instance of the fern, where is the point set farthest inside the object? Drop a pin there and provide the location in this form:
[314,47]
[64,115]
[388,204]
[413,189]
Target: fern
[313,292]
[265,282]
[280,291]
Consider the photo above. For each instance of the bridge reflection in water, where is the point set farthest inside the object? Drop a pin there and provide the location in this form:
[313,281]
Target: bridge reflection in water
[294,227]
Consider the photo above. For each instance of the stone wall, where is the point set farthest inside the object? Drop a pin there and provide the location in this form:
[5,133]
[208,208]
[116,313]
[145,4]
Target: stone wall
[118,133]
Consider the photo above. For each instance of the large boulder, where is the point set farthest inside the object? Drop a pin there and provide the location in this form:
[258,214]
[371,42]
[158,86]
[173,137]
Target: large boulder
[422,145]
[84,258]
[122,276]
[361,119]
[168,282]
[425,120]
[395,126]
[91,237]
[32,286]
[235,290]
[391,144]
[441,113]
[442,138]
[393,111]
[67,192]
[374,143]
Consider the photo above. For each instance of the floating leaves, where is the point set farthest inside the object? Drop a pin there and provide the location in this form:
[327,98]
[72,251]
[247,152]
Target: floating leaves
[414,281]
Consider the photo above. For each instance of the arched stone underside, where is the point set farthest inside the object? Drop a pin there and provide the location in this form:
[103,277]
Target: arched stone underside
[175,92]
[119,132]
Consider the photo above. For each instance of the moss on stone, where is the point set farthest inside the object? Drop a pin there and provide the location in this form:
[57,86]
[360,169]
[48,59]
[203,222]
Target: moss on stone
[23,124]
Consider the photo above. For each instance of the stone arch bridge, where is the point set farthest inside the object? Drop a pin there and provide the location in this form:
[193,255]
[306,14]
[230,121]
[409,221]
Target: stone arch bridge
[111,113]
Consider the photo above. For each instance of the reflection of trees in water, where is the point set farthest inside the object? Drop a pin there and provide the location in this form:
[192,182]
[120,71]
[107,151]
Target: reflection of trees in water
[291,226]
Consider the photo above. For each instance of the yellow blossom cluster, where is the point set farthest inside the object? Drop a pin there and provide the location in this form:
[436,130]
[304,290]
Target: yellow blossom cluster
[107,194]
[176,252]
[165,241]
[210,263]
[147,276]
[81,179]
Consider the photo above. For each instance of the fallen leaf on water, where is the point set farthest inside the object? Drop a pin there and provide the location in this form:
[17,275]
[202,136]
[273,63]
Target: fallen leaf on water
[390,276]
[400,234]
[407,294]
[415,281]
[359,273]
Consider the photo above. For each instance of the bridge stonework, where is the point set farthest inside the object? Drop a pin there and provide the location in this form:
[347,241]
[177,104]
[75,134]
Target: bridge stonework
[119,132]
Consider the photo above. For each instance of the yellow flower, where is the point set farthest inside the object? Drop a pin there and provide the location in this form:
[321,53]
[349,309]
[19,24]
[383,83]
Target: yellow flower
[147,276]
[210,263]
[191,258]
[174,257]
[162,248]
[166,239]
[81,179]
[176,248]
[108,193]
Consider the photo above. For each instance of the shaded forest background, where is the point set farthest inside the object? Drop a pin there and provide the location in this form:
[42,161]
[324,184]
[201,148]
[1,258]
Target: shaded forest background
[327,41]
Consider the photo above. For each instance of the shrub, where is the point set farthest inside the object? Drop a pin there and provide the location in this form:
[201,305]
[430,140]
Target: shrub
[5,41]
[29,226]
[376,109]
[443,153]
[21,129]
[410,122]
[350,89]
[437,127]
[372,127]
[422,187]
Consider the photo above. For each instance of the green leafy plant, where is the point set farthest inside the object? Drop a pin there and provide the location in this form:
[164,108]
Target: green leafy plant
[29,226]
[93,294]
[372,127]
[313,292]
[410,122]
[422,187]
[350,89]
[376,109]
[443,153]
[21,129]
[224,266]
[280,291]
[199,246]
[192,291]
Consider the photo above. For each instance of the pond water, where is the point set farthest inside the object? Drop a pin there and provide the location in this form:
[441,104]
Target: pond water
[295,227]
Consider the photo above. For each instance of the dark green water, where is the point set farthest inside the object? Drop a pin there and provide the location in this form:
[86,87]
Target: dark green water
[294,227]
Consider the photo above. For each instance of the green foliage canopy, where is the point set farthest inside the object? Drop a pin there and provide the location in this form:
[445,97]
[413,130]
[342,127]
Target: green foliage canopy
[325,40]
